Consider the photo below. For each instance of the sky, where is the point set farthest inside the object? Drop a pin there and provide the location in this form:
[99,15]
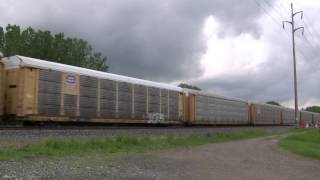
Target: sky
[226,47]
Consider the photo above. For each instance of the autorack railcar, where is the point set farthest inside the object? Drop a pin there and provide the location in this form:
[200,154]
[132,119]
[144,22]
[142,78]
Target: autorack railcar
[39,90]
[214,109]
[287,116]
[265,114]
[309,119]
[316,120]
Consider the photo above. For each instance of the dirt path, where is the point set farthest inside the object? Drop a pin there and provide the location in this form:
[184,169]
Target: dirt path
[250,159]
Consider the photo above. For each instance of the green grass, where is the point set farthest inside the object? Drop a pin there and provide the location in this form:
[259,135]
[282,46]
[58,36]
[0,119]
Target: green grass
[305,143]
[118,144]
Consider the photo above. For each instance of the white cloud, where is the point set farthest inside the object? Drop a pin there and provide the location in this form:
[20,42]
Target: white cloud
[230,54]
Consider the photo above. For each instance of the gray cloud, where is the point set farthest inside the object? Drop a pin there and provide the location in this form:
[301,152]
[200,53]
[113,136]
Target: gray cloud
[157,40]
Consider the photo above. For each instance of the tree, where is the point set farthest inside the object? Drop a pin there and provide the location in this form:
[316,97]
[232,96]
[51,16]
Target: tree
[12,41]
[188,86]
[273,103]
[1,38]
[51,47]
[315,109]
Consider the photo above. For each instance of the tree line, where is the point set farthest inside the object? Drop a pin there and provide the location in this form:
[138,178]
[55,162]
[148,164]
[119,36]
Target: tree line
[189,86]
[48,46]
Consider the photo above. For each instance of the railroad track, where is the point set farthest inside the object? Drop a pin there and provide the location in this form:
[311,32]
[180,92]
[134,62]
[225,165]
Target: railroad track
[37,133]
[130,127]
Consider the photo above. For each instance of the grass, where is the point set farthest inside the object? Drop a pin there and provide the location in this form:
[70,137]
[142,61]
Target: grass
[118,144]
[305,143]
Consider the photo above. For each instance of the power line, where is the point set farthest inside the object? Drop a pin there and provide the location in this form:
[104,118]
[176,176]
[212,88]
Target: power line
[267,13]
[306,40]
[278,23]
[309,31]
[272,7]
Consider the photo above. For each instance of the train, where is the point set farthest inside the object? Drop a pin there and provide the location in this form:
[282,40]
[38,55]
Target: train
[35,90]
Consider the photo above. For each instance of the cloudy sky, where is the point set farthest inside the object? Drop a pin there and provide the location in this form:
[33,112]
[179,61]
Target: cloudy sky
[229,47]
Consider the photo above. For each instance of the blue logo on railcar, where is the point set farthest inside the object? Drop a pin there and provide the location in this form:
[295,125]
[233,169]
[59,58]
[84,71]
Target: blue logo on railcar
[71,79]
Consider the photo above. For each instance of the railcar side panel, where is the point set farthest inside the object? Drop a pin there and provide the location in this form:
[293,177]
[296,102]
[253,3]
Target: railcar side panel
[140,101]
[174,106]
[217,110]
[306,118]
[316,120]
[266,114]
[49,93]
[288,116]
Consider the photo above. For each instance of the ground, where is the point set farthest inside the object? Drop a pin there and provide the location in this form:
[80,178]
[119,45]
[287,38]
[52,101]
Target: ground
[259,158]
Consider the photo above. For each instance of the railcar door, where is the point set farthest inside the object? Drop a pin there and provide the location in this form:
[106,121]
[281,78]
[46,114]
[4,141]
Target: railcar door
[192,103]
[189,108]
[11,94]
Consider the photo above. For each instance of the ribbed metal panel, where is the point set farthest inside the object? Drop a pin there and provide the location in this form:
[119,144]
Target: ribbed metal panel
[221,111]
[164,103]
[108,94]
[125,87]
[50,75]
[70,105]
[140,89]
[173,105]
[124,100]
[108,113]
[125,96]
[107,104]
[88,112]
[48,110]
[49,92]
[125,109]
[154,100]
[306,116]
[88,91]
[107,84]
[316,119]
[139,98]
[87,102]
[140,107]
[108,98]
[88,81]
[288,116]
[49,87]
[154,108]
[266,114]
[88,96]
[49,99]
[154,91]
[140,101]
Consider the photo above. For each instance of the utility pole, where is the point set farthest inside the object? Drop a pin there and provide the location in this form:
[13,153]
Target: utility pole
[293,30]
